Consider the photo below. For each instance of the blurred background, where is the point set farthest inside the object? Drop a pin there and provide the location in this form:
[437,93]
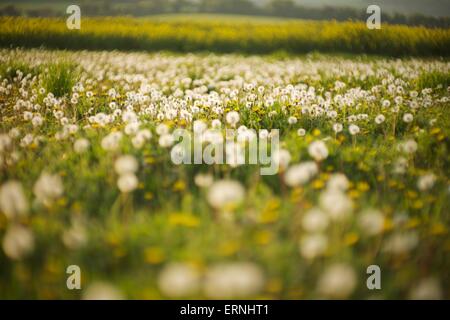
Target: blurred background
[431,13]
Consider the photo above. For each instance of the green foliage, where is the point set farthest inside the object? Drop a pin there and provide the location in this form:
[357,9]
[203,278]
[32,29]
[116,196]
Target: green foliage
[59,78]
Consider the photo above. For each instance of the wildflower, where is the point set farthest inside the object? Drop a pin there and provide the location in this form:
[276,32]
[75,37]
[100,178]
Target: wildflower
[315,220]
[203,180]
[13,202]
[338,281]
[338,181]
[408,117]
[282,158]
[216,124]
[292,120]
[301,132]
[371,222]
[178,280]
[75,237]
[111,141]
[400,165]
[338,205]
[232,118]
[126,164]
[401,243]
[127,182]
[102,291]
[318,150]
[81,145]
[409,146]
[353,129]
[199,126]
[233,280]
[300,174]
[225,194]
[162,129]
[166,140]
[18,242]
[48,188]
[426,182]
[379,119]
[131,128]
[337,127]
[263,134]
[313,245]
[386,103]
[427,289]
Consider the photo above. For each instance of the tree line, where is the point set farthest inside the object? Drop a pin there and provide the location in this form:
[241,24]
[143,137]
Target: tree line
[274,8]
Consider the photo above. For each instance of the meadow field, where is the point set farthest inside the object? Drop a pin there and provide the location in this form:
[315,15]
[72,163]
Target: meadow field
[87,177]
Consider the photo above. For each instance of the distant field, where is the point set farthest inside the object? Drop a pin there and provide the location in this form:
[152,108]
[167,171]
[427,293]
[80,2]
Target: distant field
[223,35]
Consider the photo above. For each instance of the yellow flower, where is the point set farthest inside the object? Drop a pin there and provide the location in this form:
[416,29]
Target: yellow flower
[363,186]
[184,219]
[351,238]
[318,184]
[263,237]
[154,255]
[438,229]
[270,213]
[412,223]
[228,248]
[148,196]
[179,185]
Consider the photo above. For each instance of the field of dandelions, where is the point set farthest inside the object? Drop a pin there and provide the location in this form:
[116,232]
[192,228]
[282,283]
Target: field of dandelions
[86,176]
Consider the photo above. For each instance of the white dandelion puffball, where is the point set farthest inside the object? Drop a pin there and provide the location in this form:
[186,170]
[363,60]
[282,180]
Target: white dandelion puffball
[127,182]
[233,280]
[313,245]
[81,145]
[203,180]
[102,291]
[292,120]
[353,129]
[282,158]
[199,126]
[300,174]
[216,124]
[178,280]
[166,140]
[379,119]
[126,164]
[427,289]
[315,220]
[301,132]
[401,243]
[318,150]
[426,182]
[13,202]
[337,204]
[408,117]
[162,129]
[409,146]
[337,282]
[338,181]
[337,127]
[232,118]
[371,222]
[18,242]
[48,188]
[226,194]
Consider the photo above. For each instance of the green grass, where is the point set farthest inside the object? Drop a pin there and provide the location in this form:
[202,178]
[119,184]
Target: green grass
[60,78]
